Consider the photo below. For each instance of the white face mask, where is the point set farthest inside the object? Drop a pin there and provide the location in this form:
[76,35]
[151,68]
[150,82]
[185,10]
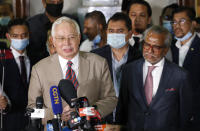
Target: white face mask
[19,44]
[116,40]
[187,36]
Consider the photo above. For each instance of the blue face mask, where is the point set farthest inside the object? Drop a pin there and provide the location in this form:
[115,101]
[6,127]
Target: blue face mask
[19,44]
[97,39]
[116,40]
[187,36]
[4,20]
[168,26]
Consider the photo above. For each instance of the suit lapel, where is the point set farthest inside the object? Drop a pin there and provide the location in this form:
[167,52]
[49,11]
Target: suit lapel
[191,51]
[84,66]
[163,83]
[140,95]
[58,75]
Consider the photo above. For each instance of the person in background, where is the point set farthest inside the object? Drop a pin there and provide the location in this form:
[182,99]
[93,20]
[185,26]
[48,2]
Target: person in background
[95,30]
[88,72]
[140,13]
[17,69]
[118,51]
[165,21]
[186,51]
[197,25]
[155,95]
[39,26]
[166,17]
[6,14]
[50,47]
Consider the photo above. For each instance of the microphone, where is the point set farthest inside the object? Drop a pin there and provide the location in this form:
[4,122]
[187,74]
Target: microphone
[39,102]
[67,91]
[56,103]
[35,115]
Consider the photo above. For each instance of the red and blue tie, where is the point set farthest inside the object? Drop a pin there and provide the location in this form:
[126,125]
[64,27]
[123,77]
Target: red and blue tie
[70,75]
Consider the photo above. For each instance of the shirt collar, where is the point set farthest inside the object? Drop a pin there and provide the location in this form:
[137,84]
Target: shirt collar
[17,54]
[63,62]
[187,44]
[124,58]
[159,64]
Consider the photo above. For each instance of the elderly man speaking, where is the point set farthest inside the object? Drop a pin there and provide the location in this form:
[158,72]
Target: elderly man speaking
[91,72]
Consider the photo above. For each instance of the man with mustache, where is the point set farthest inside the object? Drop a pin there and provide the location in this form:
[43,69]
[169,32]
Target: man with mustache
[155,94]
[140,14]
[39,26]
[186,51]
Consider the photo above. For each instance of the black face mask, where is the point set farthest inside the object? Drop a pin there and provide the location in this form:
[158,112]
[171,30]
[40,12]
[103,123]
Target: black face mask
[54,10]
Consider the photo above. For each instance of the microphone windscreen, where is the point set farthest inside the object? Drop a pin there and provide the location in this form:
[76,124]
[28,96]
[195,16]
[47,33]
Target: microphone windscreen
[56,101]
[67,90]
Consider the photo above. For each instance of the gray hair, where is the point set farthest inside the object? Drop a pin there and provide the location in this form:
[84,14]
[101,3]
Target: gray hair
[160,30]
[67,20]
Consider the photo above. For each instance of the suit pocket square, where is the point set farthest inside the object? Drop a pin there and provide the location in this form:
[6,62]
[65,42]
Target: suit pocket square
[170,89]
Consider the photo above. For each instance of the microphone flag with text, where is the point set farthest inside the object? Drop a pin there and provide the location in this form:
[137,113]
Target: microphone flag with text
[56,103]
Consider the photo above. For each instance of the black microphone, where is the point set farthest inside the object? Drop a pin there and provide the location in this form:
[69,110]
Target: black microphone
[39,102]
[67,91]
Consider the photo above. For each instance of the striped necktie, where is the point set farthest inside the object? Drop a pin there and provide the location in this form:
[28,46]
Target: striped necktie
[70,75]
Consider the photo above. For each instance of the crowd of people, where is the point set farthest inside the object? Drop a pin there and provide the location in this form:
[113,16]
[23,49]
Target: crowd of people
[138,76]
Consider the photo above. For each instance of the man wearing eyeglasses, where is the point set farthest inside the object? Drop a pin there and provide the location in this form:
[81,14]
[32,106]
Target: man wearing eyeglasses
[39,26]
[186,51]
[155,93]
[91,72]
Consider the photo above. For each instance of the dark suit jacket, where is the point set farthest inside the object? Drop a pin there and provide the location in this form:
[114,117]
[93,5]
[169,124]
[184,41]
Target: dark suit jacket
[133,54]
[192,65]
[106,52]
[14,120]
[170,109]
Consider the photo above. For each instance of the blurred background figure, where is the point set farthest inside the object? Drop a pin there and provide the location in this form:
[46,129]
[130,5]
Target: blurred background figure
[50,47]
[125,4]
[166,17]
[197,25]
[140,14]
[95,30]
[6,14]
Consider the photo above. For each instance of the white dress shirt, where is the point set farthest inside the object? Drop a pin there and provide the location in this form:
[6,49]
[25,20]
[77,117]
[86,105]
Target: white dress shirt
[86,45]
[183,50]
[156,73]
[132,41]
[64,66]
[26,61]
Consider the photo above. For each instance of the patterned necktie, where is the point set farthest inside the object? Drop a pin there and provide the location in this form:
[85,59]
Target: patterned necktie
[70,75]
[23,71]
[148,87]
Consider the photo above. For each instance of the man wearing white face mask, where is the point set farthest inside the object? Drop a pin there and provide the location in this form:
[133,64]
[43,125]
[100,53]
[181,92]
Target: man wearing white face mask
[186,51]
[17,72]
[95,30]
[118,52]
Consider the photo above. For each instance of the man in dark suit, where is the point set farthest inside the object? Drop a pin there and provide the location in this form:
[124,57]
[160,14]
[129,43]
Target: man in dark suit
[186,51]
[16,74]
[118,52]
[155,94]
